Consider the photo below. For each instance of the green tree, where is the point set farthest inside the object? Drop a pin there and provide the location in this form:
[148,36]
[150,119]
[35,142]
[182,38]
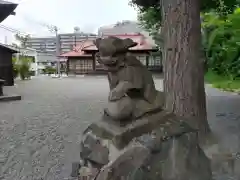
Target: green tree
[183,66]
[22,39]
[22,66]
[15,67]
[150,15]
[221,42]
[149,20]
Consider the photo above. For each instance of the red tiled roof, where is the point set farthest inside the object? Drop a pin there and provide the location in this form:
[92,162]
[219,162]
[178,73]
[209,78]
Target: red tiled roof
[138,38]
[88,45]
[78,50]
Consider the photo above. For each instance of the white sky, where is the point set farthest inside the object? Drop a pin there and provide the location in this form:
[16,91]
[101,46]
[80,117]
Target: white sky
[65,14]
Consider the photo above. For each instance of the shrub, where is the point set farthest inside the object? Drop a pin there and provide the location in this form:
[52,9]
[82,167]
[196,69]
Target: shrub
[22,67]
[15,68]
[49,70]
[24,71]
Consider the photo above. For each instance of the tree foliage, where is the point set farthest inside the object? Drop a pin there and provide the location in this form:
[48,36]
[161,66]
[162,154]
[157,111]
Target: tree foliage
[183,72]
[21,67]
[221,42]
[148,20]
[149,17]
[206,5]
[22,39]
[149,12]
[220,31]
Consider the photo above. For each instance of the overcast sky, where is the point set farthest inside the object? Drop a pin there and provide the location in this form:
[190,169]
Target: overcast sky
[66,14]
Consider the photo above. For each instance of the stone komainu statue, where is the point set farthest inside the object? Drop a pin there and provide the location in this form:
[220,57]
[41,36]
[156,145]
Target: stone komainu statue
[132,90]
[147,146]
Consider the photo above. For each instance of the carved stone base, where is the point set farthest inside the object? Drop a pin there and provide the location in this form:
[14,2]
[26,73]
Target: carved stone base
[120,135]
[1,87]
[6,98]
[157,146]
[1,91]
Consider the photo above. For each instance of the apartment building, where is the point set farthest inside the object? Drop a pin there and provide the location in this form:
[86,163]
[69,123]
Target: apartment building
[42,44]
[70,40]
[66,42]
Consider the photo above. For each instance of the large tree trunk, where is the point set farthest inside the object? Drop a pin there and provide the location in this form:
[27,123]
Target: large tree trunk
[183,68]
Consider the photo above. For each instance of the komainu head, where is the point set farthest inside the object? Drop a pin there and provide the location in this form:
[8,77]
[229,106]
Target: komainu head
[112,50]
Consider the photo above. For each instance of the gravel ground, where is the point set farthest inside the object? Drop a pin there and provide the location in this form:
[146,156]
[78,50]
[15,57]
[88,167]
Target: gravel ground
[40,134]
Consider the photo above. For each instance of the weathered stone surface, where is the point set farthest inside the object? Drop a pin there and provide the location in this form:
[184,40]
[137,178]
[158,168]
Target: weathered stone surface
[122,135]
[180,158]
[125,164]
[132,89]
[87,173]
[93,150]
[75,169]
[177,157]
[160,146]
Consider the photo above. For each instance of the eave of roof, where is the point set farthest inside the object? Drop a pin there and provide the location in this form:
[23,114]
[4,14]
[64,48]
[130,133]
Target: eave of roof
[75,54]
[6,9]
[78,50]
[8,48]
[137,37]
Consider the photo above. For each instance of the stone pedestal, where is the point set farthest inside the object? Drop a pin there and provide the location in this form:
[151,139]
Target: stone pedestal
[1,87]
[158,146]
[7,97]
[12,97]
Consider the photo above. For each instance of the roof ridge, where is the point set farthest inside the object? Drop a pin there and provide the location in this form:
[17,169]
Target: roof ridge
[81,45]
[125,34]
[8,47]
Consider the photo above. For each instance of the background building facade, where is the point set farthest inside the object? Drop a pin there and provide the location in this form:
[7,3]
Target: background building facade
[70,40]
[42,44]
[66,42]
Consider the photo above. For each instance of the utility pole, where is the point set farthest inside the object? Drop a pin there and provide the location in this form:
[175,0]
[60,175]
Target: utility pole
[6,40]
[54,29]
[57,51]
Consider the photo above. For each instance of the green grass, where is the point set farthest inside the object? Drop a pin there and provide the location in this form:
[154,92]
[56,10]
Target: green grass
[222,82]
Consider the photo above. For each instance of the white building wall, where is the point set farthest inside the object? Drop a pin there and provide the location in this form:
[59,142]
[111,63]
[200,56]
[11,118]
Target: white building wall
[31,53]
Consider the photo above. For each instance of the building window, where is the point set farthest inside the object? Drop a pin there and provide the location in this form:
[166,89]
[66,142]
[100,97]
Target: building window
[158,60]
[155,61]
[84,65]
[151,61]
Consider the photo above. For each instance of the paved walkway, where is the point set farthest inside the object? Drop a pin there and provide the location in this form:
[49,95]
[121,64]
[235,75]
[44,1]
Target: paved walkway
[40,135]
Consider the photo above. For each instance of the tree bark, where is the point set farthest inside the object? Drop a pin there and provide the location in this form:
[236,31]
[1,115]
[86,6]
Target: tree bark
[183,67]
